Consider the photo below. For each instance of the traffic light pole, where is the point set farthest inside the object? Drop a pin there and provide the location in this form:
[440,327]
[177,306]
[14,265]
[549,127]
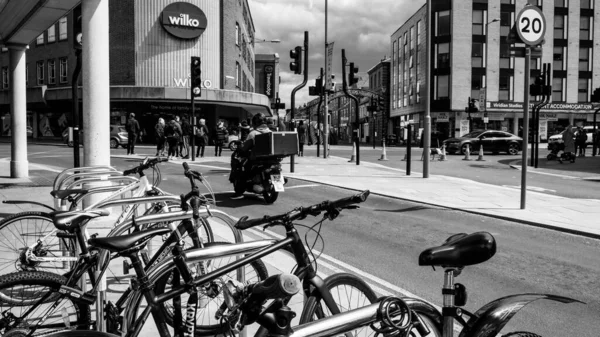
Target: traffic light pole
[324,93]
[595,138]
[75,94]
[319,120]
[356,104]
[300,86]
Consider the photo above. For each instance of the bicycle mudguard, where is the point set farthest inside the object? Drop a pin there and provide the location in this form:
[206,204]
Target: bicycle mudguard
[492,317]
[18,202]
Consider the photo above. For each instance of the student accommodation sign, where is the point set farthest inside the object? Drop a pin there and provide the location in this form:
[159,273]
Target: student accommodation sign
[552,106]
[183,20]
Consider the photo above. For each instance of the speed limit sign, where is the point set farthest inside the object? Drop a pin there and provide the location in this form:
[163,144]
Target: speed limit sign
[531,25]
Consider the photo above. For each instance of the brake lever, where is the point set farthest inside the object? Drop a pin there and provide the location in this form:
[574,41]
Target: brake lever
[331,214]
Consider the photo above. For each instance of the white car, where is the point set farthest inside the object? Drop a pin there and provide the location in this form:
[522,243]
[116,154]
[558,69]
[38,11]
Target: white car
[588,129]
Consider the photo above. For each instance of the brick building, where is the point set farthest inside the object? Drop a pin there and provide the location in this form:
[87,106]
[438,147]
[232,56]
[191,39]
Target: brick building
[471,58]
[151,43]
[379,82]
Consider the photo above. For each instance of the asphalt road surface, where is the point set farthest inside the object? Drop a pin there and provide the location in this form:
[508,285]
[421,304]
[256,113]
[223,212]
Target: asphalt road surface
[382,240]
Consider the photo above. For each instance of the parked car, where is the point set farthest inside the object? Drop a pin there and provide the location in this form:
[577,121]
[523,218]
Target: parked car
[231,142]
[558,138]
[118,137]
[492,141]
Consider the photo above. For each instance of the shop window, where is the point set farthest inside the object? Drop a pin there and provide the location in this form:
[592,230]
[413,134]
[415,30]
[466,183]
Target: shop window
[443,56]
[561,3]
[40,73]
[586,4]
[63,71]
[40,39]
[504,93]
[478,18]
[584,59]
[583,90]
[559,27]
[559,58]
[557,89]
[477,82]
[442,87]
[62,29]
[5,78]
[443,23]
[477,55]
[51,72]
[52,34]
[585,25]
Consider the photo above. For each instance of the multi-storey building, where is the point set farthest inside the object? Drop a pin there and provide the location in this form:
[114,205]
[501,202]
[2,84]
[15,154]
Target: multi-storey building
[151,44]
[471,58]
[379,82]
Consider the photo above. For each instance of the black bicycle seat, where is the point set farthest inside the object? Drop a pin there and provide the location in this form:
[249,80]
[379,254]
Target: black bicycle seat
[61,194]
[69,220]
[117,244]
[460,250]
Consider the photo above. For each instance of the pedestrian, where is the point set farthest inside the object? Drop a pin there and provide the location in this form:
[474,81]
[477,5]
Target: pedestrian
[580,141]
[186,129]
[220,137]
[159,132]
[173,133]
[244,130]
[201,137]
[133,130]
[301,137]
[568,138]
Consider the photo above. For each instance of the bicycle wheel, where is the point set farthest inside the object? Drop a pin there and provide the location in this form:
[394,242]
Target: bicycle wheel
[34,294]
[19,234]
[349,292]
[210,297]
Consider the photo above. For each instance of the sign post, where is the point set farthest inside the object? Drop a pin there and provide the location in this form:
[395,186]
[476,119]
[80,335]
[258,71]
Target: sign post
[531,28]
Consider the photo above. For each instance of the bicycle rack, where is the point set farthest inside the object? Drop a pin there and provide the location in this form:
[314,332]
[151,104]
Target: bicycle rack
[60,184]
[64,174]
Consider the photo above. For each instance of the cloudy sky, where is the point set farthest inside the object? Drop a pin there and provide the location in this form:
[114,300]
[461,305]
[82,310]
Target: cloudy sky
[362,28]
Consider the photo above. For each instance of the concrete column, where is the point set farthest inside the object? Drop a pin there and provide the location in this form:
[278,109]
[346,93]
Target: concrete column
[96,85]
[19,166]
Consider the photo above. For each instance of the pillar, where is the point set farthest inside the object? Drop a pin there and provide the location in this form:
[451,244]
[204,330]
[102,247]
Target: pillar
[19,166]
[96,85]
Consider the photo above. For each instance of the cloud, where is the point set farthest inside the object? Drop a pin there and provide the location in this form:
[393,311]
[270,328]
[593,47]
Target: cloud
[362,28]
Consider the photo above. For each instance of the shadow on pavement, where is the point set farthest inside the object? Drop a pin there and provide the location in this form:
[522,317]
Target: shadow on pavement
[586,164]
[249,200]
[404,210]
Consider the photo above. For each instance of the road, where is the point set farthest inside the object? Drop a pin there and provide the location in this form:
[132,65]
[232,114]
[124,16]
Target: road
[382,240]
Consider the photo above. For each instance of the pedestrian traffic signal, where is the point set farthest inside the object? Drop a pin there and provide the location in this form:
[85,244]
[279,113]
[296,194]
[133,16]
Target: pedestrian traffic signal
[596,95]
[196,76]
[312,91]
[537,87]
[296,64]
[381,102]
[353,79]
[77,29]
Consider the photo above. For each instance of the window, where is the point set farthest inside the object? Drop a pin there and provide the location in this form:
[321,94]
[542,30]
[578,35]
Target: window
[559,58]
[586,4]
[443,87]
[5,78]
[584,59]
[237,34]
[505,58]
[478,22]
[559,27]
[504,93]
[506,23]
[412,38]
[477,55]
[62,28]
[557,89]
[509,2]
[583,90]
[443,23]
[51,72]
[419,29]
[443,56]
[27,75]
[40,39]
[63,70]
[561,3]
[40,73]
[585,31]
[52,34]
[535,64]
[477,82]
[418,91]
[238,74]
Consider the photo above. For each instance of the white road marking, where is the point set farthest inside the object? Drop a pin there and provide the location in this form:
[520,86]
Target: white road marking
[532,188]
[518,167]
[302,186]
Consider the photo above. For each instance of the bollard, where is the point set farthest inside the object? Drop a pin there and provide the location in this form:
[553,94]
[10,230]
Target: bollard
[467,154]
[443,155]
[480,156]
[383,154]
[352,158]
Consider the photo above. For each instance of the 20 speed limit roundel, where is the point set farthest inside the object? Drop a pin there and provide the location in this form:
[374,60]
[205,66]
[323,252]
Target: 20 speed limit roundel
[531,25]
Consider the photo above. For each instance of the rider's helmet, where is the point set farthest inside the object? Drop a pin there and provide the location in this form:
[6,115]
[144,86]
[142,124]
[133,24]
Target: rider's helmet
[258,119]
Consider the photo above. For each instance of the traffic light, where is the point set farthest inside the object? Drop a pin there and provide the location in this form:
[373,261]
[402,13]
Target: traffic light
[319,86]
[296,64]
[381,103]
[196,77]
[537,87]
[353,79]
[596,95]
[472,106]
[332,88]
[77,28]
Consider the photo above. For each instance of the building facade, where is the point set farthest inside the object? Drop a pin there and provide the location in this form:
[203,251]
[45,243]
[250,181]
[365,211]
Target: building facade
[151,44]
[266,75]
[379,82]
[471,59]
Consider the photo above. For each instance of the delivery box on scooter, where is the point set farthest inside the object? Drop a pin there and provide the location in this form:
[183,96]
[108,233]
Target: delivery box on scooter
[275,144]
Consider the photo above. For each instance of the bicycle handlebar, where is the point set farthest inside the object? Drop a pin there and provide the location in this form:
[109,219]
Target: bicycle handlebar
[144,166]
[275,287]
[301,212]
[194,194]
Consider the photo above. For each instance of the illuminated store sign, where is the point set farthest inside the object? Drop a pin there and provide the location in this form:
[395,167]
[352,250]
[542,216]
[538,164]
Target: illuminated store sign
[183,20]
[269,81]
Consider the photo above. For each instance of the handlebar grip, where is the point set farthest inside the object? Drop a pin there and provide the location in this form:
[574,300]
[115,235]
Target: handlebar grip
[130,171]
[244,223]
[277,286]
[355,199]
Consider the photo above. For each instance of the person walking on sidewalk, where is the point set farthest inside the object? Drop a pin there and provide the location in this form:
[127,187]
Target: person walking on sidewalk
[220,137]
[159,132]
[173,133]
[301,129]
[201,137]
[244,130]
[569,140]
[186,130]
[133,130]
[580,141]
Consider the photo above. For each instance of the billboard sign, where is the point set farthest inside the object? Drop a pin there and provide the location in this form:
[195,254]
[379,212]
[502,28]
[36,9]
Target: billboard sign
[183,20]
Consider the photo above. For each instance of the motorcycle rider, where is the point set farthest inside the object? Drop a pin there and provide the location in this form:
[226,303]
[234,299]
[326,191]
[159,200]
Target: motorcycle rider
[240,159]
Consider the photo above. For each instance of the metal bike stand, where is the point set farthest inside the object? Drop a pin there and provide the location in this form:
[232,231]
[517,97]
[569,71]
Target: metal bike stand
[61,176]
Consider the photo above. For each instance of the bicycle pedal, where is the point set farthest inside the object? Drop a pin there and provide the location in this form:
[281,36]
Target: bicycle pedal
[126,267]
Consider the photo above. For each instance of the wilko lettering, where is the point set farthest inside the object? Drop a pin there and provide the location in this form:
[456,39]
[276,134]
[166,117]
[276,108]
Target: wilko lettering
[184,20]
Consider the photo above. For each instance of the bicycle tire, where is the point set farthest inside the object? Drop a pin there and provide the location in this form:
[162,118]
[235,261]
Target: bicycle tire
[259,272]
[27,282]
[82,333]
[314,307]
[23,230]
[521,334]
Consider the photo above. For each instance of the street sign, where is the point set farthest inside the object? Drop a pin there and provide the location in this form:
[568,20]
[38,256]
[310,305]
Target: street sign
[520,52]
[531,25]
[329,61]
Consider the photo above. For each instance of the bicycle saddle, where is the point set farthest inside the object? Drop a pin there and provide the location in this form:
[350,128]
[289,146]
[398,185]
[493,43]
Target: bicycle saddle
[460,250]
[69,220]
[61,194]
[117,244]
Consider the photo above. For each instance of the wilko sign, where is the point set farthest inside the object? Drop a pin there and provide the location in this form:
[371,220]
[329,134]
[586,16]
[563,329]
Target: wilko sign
[183,20]
[269,81]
